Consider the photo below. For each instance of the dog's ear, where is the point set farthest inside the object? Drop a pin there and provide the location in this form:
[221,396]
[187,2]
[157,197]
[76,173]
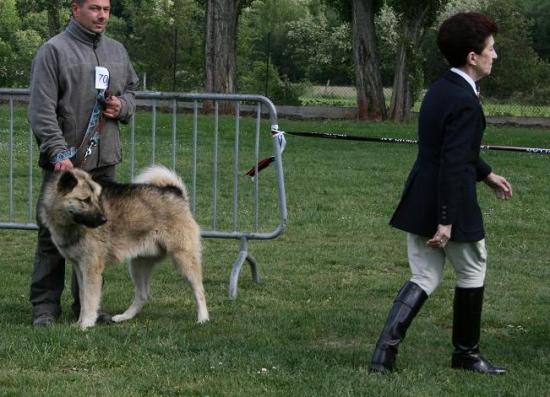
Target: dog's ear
[66,183]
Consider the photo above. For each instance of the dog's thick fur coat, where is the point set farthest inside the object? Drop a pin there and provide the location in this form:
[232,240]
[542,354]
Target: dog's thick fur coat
[93,224]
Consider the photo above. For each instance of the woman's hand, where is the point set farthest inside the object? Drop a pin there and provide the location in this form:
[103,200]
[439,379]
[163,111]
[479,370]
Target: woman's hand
[441,237]
[501,187]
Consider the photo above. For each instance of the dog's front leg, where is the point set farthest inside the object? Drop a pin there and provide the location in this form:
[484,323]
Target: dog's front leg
[78,271]
[90,292]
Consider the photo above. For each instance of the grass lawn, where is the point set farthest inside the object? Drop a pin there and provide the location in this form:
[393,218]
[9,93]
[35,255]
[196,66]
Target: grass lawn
[309,328]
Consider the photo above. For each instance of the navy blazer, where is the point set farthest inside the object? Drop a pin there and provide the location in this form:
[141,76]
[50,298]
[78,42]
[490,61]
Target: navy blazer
[441,187]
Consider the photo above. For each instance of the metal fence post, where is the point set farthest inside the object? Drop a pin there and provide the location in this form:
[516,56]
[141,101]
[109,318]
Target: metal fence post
[185,102]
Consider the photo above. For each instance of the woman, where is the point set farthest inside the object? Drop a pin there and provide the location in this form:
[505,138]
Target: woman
[439,208]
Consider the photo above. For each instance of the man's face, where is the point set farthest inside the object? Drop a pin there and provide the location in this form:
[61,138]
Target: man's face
[93,14]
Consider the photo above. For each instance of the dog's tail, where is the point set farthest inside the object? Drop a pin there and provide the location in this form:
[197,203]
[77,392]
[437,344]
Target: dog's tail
[158,175]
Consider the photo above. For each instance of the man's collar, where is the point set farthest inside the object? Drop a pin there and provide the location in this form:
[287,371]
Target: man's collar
[83,34]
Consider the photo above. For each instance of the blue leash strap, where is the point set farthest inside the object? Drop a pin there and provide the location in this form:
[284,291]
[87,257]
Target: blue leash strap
[92,135]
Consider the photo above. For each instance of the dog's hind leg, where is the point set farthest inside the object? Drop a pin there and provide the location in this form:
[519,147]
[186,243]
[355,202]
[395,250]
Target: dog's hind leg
[140,271]
[189,265]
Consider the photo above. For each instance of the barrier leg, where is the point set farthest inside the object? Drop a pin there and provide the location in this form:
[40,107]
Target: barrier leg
[238,264]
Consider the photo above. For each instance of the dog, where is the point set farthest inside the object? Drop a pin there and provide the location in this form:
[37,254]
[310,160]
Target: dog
[97,223]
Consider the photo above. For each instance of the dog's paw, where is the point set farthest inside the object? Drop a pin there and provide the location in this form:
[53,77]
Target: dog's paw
[119,318]
[203,320]
[104,318]
[85,324]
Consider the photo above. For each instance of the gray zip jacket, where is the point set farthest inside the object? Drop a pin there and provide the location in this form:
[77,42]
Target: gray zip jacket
[63,94]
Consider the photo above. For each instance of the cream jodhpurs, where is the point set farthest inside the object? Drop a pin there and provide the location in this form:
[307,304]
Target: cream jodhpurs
[468,259]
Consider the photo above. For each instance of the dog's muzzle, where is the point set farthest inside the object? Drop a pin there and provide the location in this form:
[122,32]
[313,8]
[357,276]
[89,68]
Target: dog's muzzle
[90,220]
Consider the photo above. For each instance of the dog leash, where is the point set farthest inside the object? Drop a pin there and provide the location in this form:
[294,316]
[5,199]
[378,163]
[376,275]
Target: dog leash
[94,128]
[97,121]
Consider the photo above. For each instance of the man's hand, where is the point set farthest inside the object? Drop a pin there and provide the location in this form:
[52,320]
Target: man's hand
[441,237]
[63,165]
[112,107]
[501,187]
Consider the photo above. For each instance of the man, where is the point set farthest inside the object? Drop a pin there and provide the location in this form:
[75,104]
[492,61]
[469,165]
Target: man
[439,208]
[82,84]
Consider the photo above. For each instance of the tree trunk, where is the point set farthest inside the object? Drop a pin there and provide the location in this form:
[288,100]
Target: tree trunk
[368,81]
[220,47]
[406,67]
[401,100]
[53,17]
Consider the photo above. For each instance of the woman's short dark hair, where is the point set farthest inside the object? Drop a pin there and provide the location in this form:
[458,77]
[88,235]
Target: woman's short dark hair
[463,33]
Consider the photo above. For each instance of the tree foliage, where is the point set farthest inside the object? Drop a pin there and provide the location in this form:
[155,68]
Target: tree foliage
[433,63]
[162,40]
[320,50]
[301,41]
[10,19]
[518,71]
[287,45]
[539,13]
[388,42]
[18,43]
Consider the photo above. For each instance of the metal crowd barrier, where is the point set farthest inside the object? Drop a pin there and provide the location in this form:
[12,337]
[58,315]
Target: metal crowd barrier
[216,168]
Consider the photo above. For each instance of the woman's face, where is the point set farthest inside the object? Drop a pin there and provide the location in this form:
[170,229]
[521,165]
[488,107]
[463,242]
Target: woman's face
[483,63]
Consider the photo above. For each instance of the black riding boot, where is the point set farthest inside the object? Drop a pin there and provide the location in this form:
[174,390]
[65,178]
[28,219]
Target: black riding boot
[466,329]
[407,303]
